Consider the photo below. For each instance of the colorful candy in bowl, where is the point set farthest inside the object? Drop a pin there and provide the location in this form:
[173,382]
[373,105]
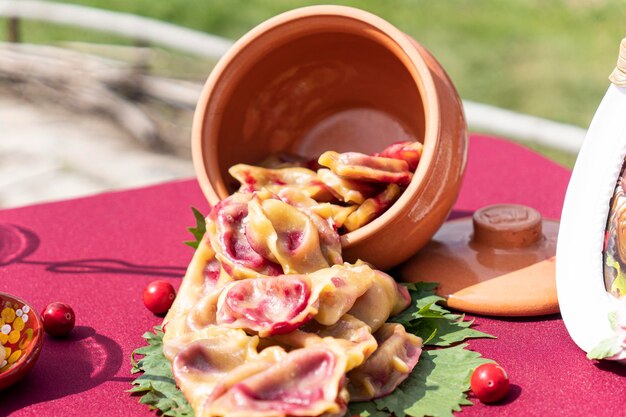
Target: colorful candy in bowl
[21,338]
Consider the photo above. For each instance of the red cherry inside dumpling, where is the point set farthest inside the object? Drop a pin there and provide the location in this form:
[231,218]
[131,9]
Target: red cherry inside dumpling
[288,236]
[326,217]
[351,334]
[271,305]
[358,166]
[226,227]
[308,382]
[411,152]
[393,361]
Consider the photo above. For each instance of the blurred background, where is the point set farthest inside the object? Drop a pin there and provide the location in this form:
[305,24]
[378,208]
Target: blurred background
[93,101]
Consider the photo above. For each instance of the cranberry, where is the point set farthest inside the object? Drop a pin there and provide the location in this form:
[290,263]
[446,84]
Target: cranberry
[158,296]
[58,319]
[490,383]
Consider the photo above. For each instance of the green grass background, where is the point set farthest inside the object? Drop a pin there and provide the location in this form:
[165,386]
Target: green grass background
[547,58]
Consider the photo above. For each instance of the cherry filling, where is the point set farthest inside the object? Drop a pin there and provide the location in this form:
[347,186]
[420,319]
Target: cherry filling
[201,361]
[211,274]
[234,236]
[277,181]
[267,305]
[293,239]
[376,162]
[250,182]
[358,166]
[292,386]
[195,359]
[229,217]
[410,152]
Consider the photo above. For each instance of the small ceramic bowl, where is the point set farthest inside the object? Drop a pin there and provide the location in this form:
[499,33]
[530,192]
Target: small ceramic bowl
[336,78]
[21,334]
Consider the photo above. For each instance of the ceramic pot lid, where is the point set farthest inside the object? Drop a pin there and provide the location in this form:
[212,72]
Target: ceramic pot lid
[498,262]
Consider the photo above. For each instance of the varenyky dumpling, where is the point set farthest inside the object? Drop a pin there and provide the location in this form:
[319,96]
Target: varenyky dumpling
[269,321]
[201,359]
[393,361]
[259,233]
[226,228]
[326,216]
[349,189]
[306,382]
[287,235]
[383,299]
[203,276]
[410,152]
[267,306]
[349,333]
[372,208]
[254,178]
[358,166]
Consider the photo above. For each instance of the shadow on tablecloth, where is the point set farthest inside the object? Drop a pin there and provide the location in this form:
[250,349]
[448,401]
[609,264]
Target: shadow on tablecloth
[18,243]
[66,366]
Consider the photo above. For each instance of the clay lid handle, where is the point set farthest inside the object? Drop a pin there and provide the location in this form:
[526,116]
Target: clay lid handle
[507,226]
[618,76]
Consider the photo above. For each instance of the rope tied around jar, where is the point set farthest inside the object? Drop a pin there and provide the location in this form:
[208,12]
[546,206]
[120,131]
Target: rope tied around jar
[618,76]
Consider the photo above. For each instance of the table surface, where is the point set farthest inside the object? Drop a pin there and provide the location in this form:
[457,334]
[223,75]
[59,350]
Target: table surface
[98,253]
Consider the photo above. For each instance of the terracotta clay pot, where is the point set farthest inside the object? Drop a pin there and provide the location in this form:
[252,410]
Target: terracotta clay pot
[336,78]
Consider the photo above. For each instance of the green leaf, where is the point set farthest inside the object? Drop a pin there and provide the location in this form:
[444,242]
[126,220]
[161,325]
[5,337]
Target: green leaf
[447,331]
[156,385]
[366,409]
[199,230]
[605,349]
[436,387]
[432,322]
[423,303]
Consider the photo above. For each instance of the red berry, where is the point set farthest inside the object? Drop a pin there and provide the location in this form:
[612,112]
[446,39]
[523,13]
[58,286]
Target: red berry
[58,319]
[158,296]
[490,383]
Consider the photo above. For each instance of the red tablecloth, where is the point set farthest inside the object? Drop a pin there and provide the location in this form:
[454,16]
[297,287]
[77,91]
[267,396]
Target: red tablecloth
[98,253]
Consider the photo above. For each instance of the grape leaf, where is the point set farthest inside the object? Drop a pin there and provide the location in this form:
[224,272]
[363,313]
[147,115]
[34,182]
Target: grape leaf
[436,387]
[156,385]
[199,230]
[423,303]
[433,323]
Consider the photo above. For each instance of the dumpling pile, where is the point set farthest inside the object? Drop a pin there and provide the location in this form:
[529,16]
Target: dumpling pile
[269,320]
[351,187]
